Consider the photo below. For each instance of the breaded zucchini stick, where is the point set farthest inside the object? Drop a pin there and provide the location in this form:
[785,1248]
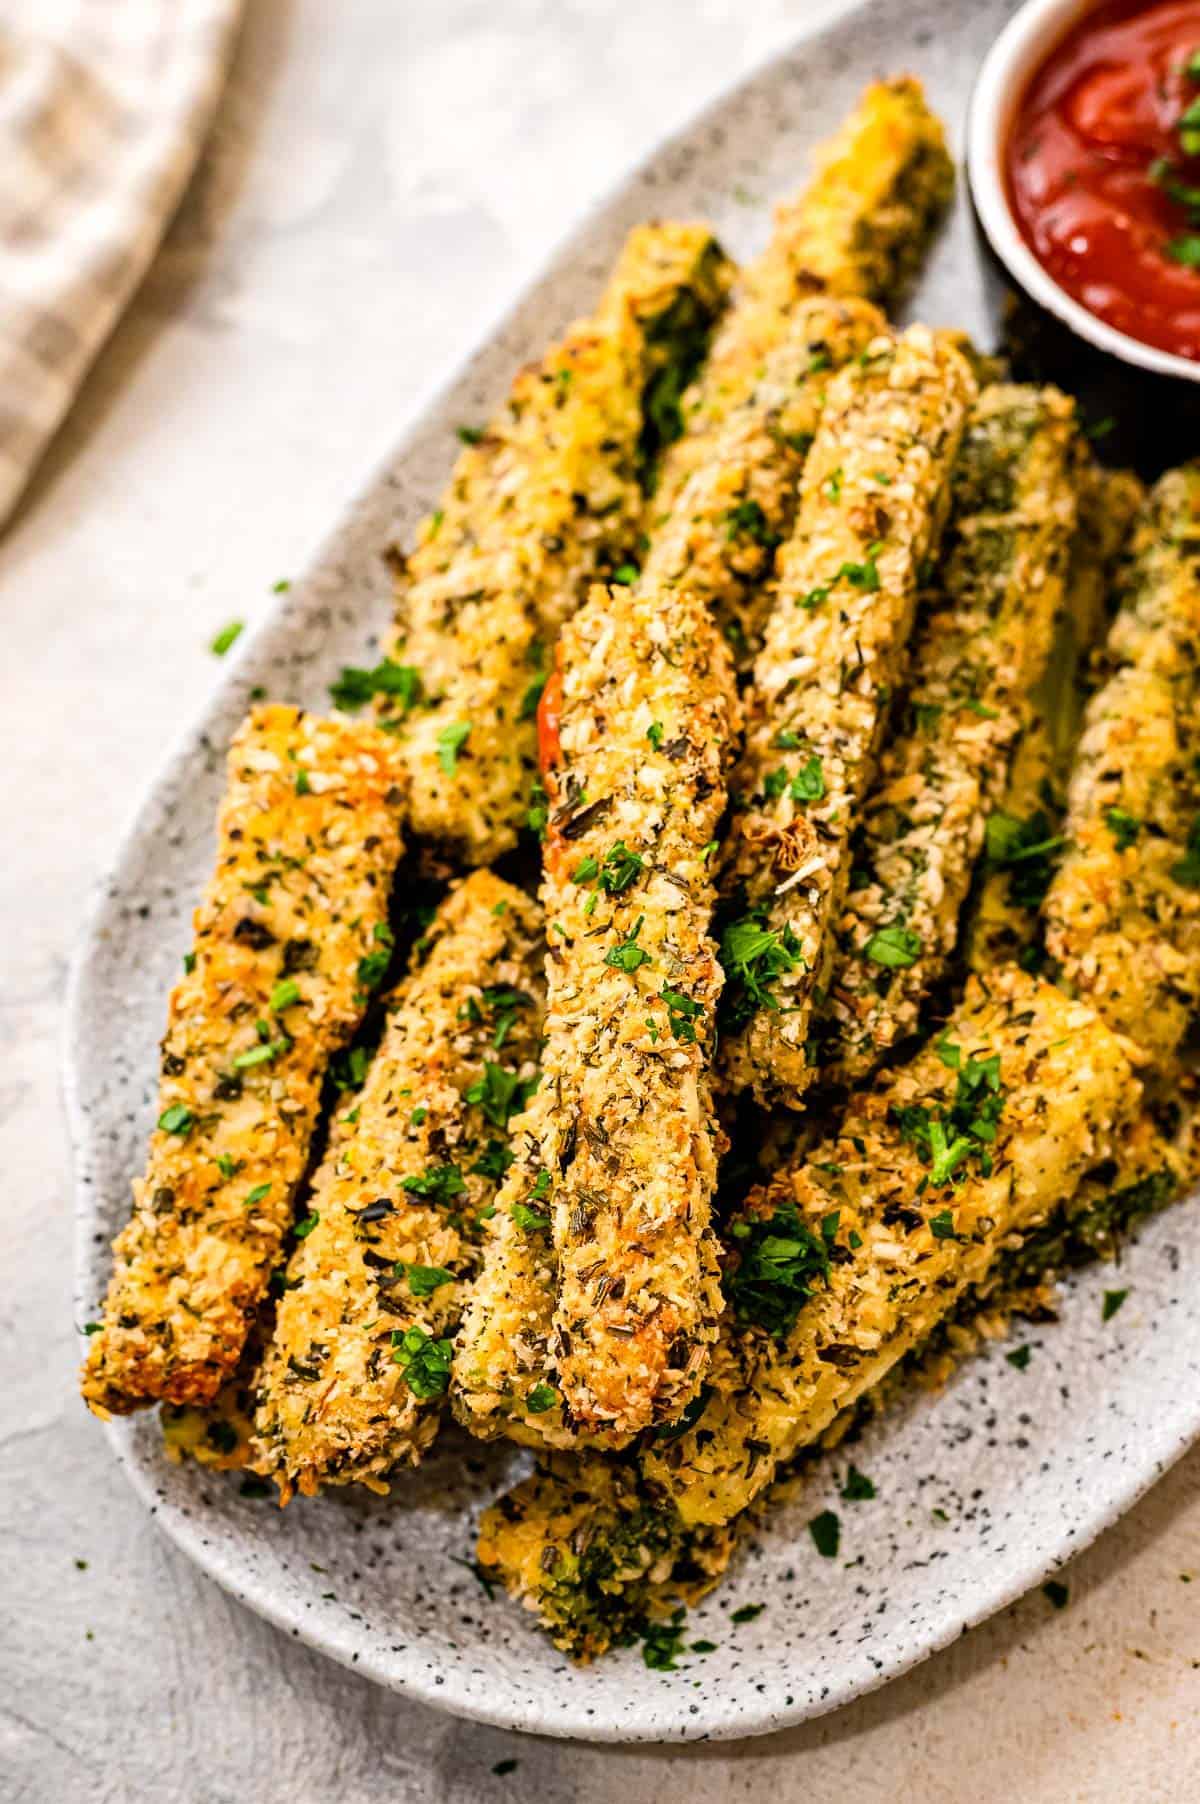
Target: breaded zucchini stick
[1123,912]
[291,936]
[548,501]
[841,1266]
[637,723]
[719,535]
[872,504]
[980,649]
[356,1372]
[859,229]
[1023,834]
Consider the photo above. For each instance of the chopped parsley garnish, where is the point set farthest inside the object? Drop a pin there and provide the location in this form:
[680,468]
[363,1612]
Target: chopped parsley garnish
[348,1068]
[1058,1593]
[682,1013]
[747,520]
[1113,1300]
[303,786]
[285,993]
[753,956]
[941,1225]
[498,1093]
[779,1261]
[864,576]
[947,1137]
[372,967]
[450,742]
[620,868]
[628,955]
[504,1003]
[786,740]
[423,1280]
[1019,1357]
[625,575]
[541,1398]
[775,782]
[437,1183]
[531,698]
[469,435]
[746,1613]
[1123,826]
[532,1221]
[228,635]
[1186,248]
[493,1161]
[424,1362]
[257,1194]
[826,1532]
[304,1228]
[539,812]
[1027,850]
[654,733]
[662,1642]
[189,963]
[541,1188]
[228,1166]
[356,686]
[502,1768]
[895,947]
[858,1488]
[177,1120]
[808,785]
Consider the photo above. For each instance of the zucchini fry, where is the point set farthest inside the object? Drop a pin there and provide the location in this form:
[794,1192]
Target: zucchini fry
[719,535]
[841,1266]
[981,648]
[1123,912]
[290,937]
[859,230]
[620,1161]
[355,1375]
[1023,834]
[872,505]
[549,501]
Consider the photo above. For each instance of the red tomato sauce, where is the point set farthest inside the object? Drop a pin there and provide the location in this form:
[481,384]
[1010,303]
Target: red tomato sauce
[549,715]
[1104,179]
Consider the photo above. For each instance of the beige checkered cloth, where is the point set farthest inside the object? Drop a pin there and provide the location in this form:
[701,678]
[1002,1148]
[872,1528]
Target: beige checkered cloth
[104,105]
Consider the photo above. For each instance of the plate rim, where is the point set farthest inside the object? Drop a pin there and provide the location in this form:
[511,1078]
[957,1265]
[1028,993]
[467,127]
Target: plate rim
[1171,1435]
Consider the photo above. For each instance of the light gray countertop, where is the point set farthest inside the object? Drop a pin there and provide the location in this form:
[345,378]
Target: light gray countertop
[380,176]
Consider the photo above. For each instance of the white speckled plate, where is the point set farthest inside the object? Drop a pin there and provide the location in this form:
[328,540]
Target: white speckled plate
[982,1489]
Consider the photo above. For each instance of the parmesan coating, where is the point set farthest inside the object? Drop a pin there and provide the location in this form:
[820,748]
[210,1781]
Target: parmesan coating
[356,1372]
[1023,834]
[620,1143]
[859,229]
[289,938]
[980,649]
[1123,912]
[890,1253]
[547,502]
[872,504]
[719,535]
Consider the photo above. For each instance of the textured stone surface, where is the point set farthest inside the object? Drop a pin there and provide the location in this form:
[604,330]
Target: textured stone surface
[378,183]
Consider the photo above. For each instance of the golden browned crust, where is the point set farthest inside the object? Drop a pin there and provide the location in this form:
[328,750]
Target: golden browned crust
[289,937]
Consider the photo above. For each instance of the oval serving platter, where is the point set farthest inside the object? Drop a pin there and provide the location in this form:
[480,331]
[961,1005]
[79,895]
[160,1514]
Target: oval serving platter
[983,1489]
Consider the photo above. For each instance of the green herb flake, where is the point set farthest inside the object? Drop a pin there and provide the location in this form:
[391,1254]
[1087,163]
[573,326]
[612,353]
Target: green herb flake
[498,1093]
[257,1195]
[858,1488]
[357,686]
[424,1362]
[826,1532]
[682,1014]
[628,955]
[450,741]
[1058,1593]
[437,1183]
[177,1120]
[284,995]
[1019,1358]
[662,1642]
[746,1613]
[304,1228]
[530,1221]
[625,575]
[423,1280]
[654,733]
[753,956]
[1187,870]
[228,636]
[1123,826]
[541,1398]
[808,785]
[1113,1300]
[894,947]
[779,1261]
[469,435]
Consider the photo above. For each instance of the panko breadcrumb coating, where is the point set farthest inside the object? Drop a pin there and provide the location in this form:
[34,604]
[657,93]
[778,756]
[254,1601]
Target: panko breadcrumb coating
[356,1371]
[982,644]
[548,501]
[291,935]
[839,1267]
[860,229]
[872,505]
[1123,912]
[610,1198]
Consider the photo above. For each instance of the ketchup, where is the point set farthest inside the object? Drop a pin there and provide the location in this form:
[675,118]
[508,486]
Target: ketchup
[1102,171]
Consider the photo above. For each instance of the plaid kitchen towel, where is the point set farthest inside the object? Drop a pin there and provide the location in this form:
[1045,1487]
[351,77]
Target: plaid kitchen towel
[104,105]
